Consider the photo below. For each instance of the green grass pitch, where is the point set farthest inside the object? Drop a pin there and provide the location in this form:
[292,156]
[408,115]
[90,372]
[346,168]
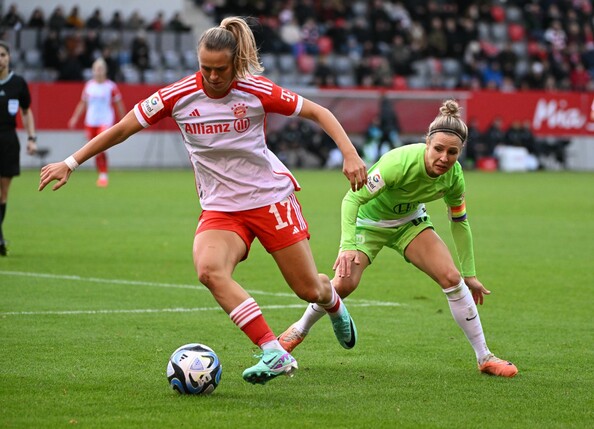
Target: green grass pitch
[99,289]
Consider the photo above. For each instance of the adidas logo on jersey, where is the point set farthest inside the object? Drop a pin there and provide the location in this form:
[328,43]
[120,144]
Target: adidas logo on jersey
[195,113]
[295,230]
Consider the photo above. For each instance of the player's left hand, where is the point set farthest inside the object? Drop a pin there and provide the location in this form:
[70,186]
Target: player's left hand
[477,289]
[57,171]
[354,168]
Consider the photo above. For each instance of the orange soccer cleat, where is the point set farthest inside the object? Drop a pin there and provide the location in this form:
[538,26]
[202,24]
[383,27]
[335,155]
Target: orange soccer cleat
[492,365]
[291,338]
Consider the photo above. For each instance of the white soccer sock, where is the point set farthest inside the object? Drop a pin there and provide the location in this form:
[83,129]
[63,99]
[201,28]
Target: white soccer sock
[466,315]
[311,315]
[272,345]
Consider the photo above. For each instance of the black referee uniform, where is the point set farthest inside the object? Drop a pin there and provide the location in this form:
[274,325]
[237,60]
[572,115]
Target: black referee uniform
[14,95]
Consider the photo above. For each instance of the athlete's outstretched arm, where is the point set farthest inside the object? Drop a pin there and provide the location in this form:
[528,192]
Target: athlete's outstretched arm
[59,171]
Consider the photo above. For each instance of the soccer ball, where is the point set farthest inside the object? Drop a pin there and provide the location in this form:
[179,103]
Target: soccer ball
[194,369]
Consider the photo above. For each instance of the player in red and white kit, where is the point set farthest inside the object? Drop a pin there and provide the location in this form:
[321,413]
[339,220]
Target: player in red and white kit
[245,191]
[98,97]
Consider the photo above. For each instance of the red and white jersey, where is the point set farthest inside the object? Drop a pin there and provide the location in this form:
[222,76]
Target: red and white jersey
[225,138]
[100,97]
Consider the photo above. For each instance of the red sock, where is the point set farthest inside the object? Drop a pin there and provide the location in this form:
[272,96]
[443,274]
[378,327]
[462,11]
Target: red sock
[101,162]
[248,317]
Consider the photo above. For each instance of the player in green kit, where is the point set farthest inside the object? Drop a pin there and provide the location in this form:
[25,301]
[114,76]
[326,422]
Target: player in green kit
[390,212]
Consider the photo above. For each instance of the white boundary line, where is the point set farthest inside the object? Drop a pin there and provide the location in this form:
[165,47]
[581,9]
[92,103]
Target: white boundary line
[352,302]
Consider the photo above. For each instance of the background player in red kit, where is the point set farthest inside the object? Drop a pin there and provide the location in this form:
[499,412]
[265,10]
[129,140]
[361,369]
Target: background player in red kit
[245,191]
[98,97]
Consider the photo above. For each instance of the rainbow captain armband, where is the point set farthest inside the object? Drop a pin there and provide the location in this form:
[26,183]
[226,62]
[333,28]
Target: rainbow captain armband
[458,213]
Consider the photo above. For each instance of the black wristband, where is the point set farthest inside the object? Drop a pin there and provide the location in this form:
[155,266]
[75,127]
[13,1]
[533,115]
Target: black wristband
[32,139]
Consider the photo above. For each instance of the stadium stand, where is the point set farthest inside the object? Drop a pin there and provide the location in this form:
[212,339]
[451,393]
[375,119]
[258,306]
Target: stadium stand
[449,44]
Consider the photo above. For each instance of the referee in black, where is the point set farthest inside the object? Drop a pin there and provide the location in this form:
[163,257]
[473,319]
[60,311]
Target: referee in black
[14,97]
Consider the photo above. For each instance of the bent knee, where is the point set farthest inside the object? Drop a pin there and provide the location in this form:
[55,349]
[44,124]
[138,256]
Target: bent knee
[209,275]
[344,285]
[449,279]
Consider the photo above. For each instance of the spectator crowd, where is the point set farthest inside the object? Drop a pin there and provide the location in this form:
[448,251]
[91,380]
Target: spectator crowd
[486,44]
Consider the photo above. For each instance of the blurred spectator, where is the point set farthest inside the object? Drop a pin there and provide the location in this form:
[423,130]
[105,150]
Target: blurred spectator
[158,23]
[337,31]
[73,20]
[135,21]
[71,68]
[382,73]
[507,85]
[57,20]
[176,24]
[140,52]
[383,133]
[37,19]
[92,47]
[508,60]
[455,38]
[493,136]
[116,22]
[292,143]
[364,71]
[492,76]
[373,141]
[536,77]
[400,56]
[389,123]
[114,71]
[555,35]
[324,75]
[527,138]
[580,78]
[95,21]
[267,36]
[436,39]
[514,136]
[50,51]
[290,34]
[12,18]
[310,35]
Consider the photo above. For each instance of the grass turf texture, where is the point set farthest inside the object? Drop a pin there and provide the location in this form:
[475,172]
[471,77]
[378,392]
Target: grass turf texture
[99,289]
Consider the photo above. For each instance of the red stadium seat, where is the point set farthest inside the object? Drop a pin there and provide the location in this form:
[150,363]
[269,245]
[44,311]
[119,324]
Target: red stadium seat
[498,13]
[516,32]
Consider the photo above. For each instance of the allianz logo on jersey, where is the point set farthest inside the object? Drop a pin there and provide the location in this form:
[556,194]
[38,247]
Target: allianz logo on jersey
[238,125]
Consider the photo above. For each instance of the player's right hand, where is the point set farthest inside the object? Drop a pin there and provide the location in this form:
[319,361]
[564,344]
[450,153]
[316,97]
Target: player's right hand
[57,171]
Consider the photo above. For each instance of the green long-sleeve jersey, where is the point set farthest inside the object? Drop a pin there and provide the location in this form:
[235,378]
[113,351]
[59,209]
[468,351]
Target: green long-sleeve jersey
[397,188]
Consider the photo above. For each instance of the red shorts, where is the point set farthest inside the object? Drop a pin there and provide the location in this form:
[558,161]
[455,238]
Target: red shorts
[93,132]
[276,226]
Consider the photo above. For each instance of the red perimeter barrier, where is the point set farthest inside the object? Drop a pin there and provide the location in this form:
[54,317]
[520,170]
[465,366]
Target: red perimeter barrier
[551,114]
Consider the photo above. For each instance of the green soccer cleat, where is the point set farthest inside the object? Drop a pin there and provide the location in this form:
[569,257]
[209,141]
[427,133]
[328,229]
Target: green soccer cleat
[345,329]
[272,364]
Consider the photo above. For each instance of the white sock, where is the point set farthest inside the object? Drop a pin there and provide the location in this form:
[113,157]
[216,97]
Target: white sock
[311,315]
[335,308]
[272,345]
[466,315]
